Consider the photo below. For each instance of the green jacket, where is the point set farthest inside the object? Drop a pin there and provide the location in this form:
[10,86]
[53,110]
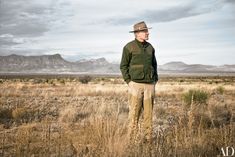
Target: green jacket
[138,62]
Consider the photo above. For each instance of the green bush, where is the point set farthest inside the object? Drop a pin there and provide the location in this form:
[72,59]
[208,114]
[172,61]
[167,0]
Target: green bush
[198,97]
[220,89]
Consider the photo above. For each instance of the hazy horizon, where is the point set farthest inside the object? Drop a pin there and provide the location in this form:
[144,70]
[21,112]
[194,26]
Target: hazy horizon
[194,32]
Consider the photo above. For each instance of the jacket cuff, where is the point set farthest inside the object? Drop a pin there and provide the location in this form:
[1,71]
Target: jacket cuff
[127,81]
[156,80]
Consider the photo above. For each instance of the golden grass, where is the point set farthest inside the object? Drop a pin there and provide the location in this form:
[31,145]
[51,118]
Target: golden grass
[66,118]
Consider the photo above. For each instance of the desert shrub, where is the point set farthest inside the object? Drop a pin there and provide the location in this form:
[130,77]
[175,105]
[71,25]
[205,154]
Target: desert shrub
[103,79]
[117,81]
[220,89]
[1,81]
[202,120]
[62,81]
[49,81]
[198,97]
[220,115]
[5,113]
[22,114]
[85,79]
[38,81]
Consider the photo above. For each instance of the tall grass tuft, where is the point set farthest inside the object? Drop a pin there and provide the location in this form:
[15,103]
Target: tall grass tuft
[220,89]
[195,96]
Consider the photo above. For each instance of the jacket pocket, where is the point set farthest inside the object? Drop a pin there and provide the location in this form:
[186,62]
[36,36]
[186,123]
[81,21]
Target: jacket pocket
[137,71]
[152,76]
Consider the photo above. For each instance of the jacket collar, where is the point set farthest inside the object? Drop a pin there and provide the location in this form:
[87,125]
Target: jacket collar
[141,44]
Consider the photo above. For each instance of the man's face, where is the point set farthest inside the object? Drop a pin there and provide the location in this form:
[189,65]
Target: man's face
[142,35]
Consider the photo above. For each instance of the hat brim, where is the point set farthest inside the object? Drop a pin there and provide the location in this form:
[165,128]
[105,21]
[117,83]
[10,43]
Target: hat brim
[140,30]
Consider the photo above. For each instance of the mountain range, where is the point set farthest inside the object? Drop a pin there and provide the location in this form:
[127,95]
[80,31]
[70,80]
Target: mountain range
[56,64]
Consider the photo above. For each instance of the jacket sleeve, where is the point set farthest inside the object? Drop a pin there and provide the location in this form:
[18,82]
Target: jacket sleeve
[124,65]
[155,66]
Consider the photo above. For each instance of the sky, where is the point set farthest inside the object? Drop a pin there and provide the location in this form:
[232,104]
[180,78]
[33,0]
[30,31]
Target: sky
[191,31]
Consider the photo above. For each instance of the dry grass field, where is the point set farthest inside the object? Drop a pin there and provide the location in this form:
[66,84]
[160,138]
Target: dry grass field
[62,117]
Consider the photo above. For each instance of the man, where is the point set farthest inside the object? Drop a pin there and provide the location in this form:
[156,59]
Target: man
[139,70]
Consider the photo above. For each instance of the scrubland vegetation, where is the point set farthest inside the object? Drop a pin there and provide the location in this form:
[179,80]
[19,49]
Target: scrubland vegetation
[87,116]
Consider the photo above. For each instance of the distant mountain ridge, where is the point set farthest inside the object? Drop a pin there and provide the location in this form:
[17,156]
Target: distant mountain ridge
[53,64]
[56,64]
[18,63]
[194,68]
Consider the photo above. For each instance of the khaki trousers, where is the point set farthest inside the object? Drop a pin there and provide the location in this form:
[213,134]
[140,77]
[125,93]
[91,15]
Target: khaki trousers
[141,99]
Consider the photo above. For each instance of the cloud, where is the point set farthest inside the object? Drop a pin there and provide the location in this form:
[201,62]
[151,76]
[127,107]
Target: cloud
[8,40]
[26,52]
[31,19]
[23,19]
[169,13]
[22,23]
[230,1]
